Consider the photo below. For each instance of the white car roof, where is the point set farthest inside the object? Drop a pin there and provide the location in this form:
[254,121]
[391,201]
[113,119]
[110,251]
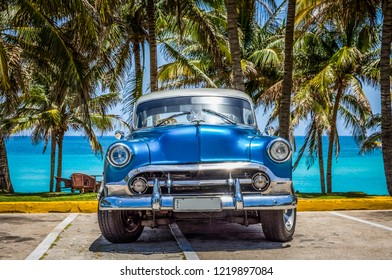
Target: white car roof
[194,92]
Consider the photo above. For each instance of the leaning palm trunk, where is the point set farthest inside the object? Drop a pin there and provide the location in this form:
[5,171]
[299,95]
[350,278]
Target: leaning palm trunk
[332,138]
[238,79]
[52,160]
[60,141]
[385,69]
[5,180]
[285,102]
[321,160]
[153,45]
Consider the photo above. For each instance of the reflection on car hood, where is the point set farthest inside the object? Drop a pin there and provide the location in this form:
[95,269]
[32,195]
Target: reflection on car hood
[197,143]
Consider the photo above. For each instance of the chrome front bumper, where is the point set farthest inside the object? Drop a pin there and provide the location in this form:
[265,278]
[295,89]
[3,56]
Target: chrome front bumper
[163,202]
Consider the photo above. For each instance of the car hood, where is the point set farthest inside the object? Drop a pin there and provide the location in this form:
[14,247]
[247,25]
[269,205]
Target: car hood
[197,143]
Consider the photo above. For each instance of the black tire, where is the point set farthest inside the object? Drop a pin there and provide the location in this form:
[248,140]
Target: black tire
[278,225]
[118,226]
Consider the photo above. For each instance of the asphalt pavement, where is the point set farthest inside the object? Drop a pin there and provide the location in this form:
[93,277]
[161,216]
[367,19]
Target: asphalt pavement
[321,235]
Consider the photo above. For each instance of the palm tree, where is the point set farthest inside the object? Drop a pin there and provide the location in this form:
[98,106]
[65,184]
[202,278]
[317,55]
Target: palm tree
[65,42]
[285,101]
[5,179]
[49,121]
[131,52]
[12,83]
[385,81]
[350,40]
[153,45]
[200,59]
[66,34]
[234,43]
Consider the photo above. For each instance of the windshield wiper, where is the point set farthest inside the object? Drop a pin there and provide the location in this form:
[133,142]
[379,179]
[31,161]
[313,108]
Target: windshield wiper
[172,116]
[219,115]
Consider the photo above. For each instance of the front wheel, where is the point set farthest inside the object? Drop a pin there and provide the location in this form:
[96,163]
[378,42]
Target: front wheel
[278,225]
[118,226]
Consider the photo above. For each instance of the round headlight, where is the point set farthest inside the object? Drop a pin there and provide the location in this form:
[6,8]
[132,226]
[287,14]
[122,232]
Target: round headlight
[119,155]
[279,150]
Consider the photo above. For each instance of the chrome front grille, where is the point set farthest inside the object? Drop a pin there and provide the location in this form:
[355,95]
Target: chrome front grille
[206,182]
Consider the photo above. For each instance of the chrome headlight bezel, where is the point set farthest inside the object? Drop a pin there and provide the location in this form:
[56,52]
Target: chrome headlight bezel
[273,145]
[116,148]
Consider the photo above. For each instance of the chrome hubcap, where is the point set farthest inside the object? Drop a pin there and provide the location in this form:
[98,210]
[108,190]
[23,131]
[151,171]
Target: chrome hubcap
[288,219]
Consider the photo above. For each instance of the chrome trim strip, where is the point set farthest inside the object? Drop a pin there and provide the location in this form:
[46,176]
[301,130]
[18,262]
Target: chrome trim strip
[122,189]
[199,183]
[156,196]
[277,185]
[199,167]
[249,202]
[239,200]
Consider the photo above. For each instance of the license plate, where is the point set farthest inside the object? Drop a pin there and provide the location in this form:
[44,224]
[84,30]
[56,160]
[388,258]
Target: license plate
[197,204]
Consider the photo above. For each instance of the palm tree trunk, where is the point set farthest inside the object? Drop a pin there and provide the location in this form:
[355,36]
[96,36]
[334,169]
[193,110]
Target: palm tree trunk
[238,79]
[60,141]
[385,69]
[136,54]
[153,45]
[332,138]
[5,180]
[52,160]
[285,101]
[321,160]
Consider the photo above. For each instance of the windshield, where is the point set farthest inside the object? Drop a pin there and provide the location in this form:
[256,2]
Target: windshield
[194,109]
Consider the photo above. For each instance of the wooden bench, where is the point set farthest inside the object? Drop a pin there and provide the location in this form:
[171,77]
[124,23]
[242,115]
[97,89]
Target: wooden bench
[67,184]
[84,183]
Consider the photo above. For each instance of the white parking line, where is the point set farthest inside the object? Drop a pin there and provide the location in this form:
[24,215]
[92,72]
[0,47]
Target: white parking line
[361,221]
[184,244]
[48,241]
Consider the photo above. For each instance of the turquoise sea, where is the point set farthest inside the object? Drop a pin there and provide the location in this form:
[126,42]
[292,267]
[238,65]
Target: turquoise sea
[29,168]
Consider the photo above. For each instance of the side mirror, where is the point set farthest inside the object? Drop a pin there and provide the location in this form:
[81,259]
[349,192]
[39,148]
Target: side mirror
[119,134]
[269,130]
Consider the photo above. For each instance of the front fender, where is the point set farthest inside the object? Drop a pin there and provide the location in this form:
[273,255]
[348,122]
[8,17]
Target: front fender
[259,154]
[140,157]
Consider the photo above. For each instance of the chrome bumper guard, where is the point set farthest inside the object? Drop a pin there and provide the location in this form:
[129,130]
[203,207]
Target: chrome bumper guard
[159,202]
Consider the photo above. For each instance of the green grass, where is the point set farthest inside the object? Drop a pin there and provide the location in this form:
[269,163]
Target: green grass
[54,196]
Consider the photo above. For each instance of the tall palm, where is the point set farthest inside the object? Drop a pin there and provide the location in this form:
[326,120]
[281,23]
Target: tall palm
[125,35]
[40,113]
[200,59]
[49,121]
[151,16]
[12,83]
[234,43]
[66,42]
[285,101]
[351,40]
[385,81]
[66,34]
[5,179]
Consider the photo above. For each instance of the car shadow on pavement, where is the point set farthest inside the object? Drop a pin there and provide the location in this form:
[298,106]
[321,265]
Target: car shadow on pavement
[204,237]
[226,236]
[152,241]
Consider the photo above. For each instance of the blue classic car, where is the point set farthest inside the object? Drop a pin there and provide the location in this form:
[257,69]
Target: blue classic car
[196,154]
